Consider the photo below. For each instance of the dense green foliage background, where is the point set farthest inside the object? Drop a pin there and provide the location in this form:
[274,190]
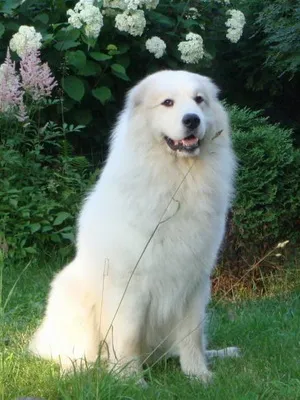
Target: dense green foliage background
[263,70]
[46,168]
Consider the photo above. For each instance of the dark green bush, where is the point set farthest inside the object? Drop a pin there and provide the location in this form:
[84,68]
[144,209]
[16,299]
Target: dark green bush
[263,70]
[42,185]
[266,209]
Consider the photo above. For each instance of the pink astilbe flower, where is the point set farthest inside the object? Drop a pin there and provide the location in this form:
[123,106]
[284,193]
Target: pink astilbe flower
[21,114]
[11,94]
[37,78]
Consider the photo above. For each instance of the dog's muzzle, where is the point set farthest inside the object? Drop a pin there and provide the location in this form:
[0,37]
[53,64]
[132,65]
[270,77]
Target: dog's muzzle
[188,144]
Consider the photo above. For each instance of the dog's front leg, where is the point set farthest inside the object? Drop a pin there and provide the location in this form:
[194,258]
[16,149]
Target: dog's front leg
[123,340]
[191,341]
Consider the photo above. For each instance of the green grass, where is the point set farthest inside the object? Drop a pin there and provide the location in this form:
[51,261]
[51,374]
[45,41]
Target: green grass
[267,331]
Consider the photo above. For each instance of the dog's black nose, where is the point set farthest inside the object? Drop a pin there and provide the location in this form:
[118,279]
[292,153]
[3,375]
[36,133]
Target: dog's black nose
[191,121]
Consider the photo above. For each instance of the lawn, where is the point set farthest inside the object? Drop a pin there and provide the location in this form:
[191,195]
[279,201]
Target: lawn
[267,331]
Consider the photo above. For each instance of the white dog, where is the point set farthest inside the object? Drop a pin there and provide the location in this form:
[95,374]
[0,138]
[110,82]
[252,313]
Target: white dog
[148,234]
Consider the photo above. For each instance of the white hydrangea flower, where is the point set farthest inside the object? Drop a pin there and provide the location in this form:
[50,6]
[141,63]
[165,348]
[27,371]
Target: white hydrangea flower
[110,12]
[133,22]
[87,15]
[74,19]
[151,4]
[135,4]
[25,39]
[129,5]
[223,1]
[235,25]
[156,46]
[192,48]
[114,4]
[192,13]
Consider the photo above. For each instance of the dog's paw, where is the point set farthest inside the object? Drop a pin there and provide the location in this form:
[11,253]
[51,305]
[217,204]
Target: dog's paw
[142,383]
[204,377]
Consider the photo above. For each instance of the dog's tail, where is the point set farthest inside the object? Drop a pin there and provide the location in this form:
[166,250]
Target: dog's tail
[222,353]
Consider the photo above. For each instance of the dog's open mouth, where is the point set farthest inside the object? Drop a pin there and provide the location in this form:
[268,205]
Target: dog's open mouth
[189,144]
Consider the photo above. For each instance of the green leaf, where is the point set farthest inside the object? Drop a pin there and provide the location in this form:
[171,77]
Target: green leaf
[48,38]
[61,217]
[67,34]
[30,250]
[90,42]
[34,227]
[2,29]
[66,44]
[13,202]
[96,55]
[12,26]
[123,48]
[67,38]
[102,93]
[74,87]
[9,6]
[55,238]
[83,117]
[43,18]
[91,68]
[119,71]
[124,60]
[47,228]
[76,58]
[69,236]
[162,20]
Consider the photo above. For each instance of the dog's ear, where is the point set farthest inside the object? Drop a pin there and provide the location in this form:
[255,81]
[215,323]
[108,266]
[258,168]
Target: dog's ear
[211,89]
[134,97]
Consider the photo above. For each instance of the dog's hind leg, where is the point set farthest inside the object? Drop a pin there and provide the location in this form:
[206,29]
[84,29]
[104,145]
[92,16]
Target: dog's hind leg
[69,332]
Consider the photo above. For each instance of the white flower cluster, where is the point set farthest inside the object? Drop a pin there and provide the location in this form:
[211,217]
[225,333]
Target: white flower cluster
[156,46]
[223,1]
[192,48]
[114,4]
[135,4]
[235,25]
[192,13]
[87,15]
[25,39]
[133,22]
[130,4]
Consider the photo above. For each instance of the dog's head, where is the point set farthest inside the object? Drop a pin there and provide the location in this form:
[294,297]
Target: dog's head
[175,109]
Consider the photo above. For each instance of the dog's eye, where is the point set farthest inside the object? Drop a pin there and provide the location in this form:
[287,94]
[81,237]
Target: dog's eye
[168,103]
[199,99]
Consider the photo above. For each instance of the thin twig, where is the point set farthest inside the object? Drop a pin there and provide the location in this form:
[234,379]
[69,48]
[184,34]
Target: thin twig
[217,134]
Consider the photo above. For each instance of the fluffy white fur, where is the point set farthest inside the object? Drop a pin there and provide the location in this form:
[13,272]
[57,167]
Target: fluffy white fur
[127,298]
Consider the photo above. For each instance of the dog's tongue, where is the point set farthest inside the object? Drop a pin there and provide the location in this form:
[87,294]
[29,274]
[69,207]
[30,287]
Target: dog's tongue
[190,141]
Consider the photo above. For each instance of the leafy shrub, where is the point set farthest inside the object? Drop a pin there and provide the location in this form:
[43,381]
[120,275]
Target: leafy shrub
[41,188]
[95,72]
[41,182]
[262,70]
[266,209]
[279,21]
